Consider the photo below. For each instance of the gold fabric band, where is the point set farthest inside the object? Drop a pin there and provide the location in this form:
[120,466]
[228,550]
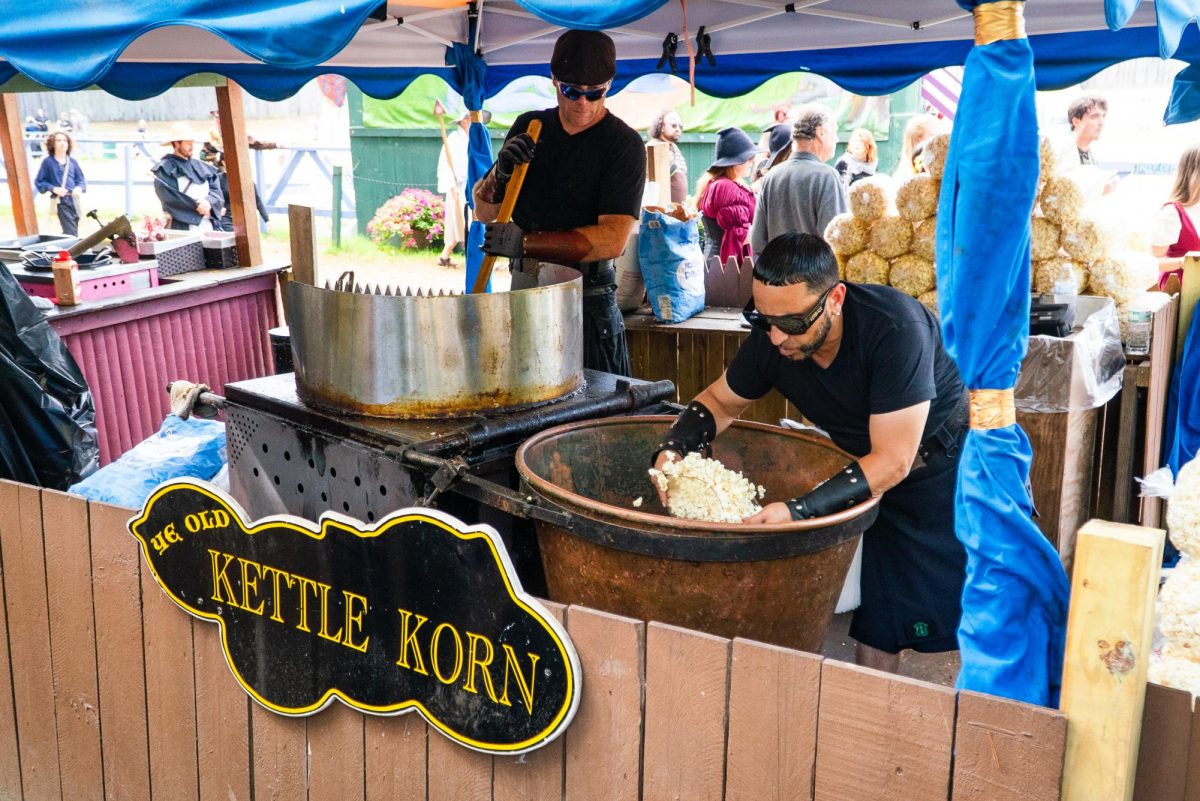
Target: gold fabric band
[476,116]
[995,22]
[992,408]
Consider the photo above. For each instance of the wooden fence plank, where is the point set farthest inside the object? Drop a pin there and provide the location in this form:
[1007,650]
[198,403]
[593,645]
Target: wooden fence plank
[396,757]
[773,695]
[222,721]
[1192,789]
[1007,751]
[10,760]
[638,343]
[457,773]
[29,630]
[1165,744]
[119,655]
[604,742]
[170,694]
[537,775]
[686,680]
[860,751]
[688,380]
[335,754]
[280,745]
[73,644]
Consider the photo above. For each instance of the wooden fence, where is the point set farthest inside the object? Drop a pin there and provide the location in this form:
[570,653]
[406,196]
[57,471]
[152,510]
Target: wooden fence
[109,691]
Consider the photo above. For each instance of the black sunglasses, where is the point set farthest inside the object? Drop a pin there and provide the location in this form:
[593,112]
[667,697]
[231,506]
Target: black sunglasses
[572,92]
[790,324]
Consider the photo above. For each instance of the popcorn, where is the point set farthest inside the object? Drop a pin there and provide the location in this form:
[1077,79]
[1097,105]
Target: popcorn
[847,234]
[917,198]
[1045,239]
[1084,241]
[1046,165]
[1061,199]
[1174,669]
[891,236]
[704,489]
[841,261]
[924,239]
[867,267]
[1183,510]
[1112,277]
[930,301]
[1045,273]
[934,155]
[1179,608]
[912,275]
[870,198]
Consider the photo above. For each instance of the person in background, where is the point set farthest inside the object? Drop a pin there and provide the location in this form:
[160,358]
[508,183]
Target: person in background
[452,182]
[777,144]
[62,178]
[211,154]
[668,127]
[919,129]
[42,120]
[1176,228]
[189,189]
[803,193]
[32,127]
[64,122]
[1086,117]
[725,203]
[860,159]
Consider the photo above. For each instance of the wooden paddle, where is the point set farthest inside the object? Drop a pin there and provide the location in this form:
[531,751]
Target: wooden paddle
[506,208]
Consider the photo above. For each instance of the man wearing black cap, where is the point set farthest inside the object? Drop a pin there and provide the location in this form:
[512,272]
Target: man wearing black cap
[581,196]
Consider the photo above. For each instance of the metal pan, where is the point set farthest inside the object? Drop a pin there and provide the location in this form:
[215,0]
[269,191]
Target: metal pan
[44,262]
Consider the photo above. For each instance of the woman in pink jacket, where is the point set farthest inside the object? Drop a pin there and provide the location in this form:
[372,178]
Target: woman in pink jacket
[725,202]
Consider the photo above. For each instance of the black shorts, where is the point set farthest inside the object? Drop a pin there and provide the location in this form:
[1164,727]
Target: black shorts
[913,566]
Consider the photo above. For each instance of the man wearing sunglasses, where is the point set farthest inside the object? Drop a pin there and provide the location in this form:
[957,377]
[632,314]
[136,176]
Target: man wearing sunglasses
[867,365]
[581,196]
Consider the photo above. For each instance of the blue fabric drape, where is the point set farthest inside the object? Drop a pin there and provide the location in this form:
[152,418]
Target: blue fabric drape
[1183,406]
[470,73]
[593,16]
[1015,600]
[1172,16]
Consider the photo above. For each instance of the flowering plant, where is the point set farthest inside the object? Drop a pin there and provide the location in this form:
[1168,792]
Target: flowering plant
[414,217]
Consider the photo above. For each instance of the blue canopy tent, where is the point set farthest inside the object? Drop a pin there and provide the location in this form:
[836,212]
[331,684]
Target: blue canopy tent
[1014,607]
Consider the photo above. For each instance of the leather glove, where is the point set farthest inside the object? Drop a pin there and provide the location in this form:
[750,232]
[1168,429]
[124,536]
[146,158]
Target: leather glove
[518,150]
[504,239]
[843,490]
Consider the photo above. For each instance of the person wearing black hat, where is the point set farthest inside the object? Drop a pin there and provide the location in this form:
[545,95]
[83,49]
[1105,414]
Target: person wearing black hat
[778,144]
[725,203]
[581,196]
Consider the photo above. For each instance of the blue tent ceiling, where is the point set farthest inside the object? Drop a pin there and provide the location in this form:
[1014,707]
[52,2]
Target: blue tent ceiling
[139,48]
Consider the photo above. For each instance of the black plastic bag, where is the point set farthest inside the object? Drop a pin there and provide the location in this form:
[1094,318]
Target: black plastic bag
[47,418]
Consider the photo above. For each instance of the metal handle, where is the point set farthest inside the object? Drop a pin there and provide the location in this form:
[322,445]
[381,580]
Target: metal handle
[506,208]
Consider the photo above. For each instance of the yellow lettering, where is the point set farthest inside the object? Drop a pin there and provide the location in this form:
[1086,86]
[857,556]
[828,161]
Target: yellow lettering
[526,689]
[324,632]
[458,653]
[250,586]
[220,518]
[305,584]
[474,640]
[354,621]
[220,580]
[192,522]
[408,641]
[276,575]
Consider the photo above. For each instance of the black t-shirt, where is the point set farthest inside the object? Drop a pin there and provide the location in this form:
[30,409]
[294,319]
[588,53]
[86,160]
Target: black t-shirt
[891,357]
[573,179]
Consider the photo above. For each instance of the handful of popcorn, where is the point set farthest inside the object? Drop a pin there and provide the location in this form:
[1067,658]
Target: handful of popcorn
[704,489]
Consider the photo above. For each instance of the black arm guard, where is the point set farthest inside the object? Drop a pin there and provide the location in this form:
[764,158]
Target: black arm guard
[844,489]
[694,430]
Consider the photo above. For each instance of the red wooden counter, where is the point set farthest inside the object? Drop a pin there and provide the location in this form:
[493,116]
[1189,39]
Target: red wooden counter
[208,326]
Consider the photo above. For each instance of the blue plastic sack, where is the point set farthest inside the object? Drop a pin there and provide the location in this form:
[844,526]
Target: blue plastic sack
[180,448]
[672,265]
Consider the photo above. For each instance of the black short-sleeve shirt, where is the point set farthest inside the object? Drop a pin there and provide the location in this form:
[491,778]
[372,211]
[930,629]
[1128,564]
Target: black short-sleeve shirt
[891,357]
[573,179]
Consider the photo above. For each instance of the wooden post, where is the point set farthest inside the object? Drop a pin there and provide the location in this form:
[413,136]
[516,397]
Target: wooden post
[658,169]
[232,112]
[1109,629]
[16,165]
[1189,294]
[304,244]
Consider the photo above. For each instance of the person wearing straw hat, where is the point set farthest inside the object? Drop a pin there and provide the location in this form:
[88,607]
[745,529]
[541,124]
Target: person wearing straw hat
[581,197]
[189,189]
[725,203]
[452,182]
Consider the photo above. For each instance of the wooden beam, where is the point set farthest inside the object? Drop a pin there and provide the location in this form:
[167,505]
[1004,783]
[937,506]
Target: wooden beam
[16,166]
[1109,630]
[304,244]
[658,169]
[232,111]
[1189,294]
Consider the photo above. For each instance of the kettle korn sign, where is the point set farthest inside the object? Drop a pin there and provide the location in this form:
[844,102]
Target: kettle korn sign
[418,611]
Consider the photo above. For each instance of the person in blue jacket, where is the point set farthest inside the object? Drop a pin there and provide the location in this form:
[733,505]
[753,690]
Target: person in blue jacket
[62,178]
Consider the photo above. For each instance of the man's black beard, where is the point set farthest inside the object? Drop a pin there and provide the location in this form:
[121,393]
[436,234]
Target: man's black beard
[822,334]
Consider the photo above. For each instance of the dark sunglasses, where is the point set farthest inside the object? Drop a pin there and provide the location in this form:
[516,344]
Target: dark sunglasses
[790,324]
[573,92]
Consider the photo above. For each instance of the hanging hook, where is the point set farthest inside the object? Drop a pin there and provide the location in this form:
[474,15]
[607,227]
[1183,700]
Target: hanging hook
[669,46]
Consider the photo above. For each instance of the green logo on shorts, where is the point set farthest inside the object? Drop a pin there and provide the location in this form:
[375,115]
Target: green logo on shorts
[920,629]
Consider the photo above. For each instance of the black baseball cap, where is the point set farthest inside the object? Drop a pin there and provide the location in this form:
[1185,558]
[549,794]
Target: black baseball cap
[584,58]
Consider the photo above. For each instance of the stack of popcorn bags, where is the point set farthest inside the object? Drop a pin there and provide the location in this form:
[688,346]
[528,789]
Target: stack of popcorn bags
[1179,601]
[888,239]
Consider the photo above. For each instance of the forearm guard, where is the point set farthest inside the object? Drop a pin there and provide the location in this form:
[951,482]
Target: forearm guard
[558,247]
[694,430]
[843,490]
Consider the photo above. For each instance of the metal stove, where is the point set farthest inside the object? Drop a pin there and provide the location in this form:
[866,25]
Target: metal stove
[286,457]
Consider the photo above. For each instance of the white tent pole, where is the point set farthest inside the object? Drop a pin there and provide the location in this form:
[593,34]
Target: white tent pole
[427,34]
[929,23]
[774,6]
[523,38]
[737,23]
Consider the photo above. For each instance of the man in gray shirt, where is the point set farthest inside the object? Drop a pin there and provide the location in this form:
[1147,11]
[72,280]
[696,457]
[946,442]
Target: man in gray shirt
[803,193]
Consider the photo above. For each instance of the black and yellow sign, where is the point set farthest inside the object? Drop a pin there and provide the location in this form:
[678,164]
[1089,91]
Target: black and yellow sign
[418,611]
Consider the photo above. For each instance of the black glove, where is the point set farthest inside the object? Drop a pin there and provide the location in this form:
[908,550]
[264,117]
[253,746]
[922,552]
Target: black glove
[518,150]
[844,489]
[504,239]
[694,430]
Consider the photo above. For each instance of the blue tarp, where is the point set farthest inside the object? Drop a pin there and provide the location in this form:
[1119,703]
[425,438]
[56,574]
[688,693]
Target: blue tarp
[1013,626]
